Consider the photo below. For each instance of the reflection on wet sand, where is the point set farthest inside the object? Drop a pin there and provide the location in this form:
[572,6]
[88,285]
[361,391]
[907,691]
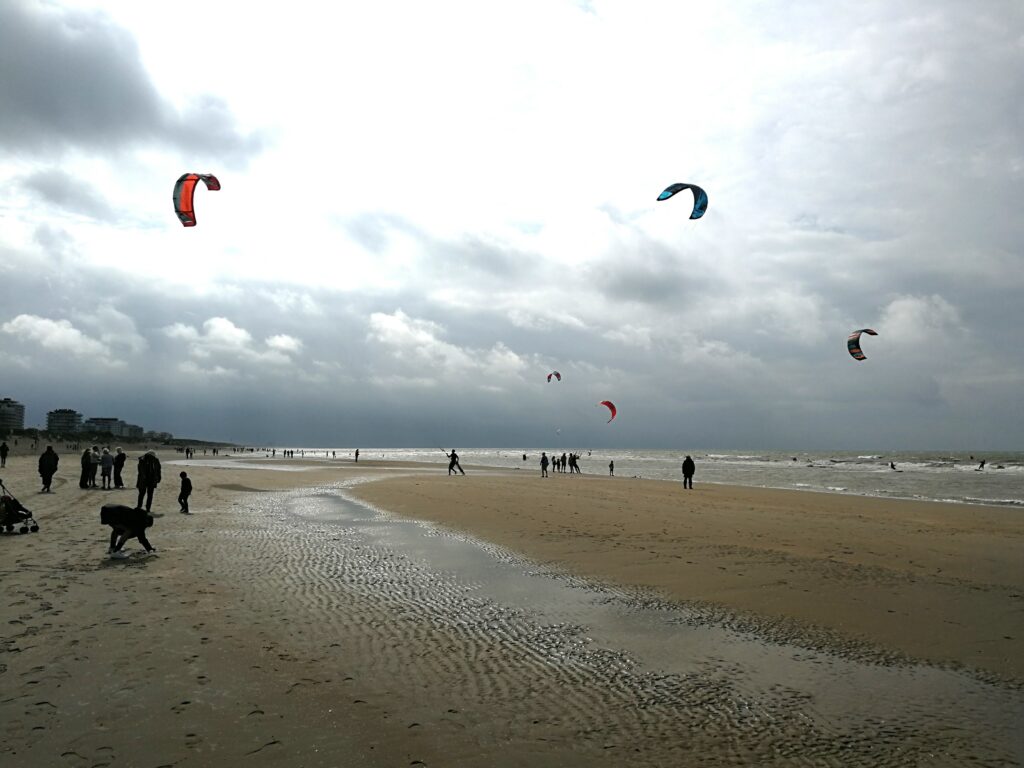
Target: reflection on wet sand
[440,617]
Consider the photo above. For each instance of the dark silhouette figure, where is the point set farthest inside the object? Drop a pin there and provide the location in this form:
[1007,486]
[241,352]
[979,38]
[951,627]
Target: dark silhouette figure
[4,450]
[148,478]
[892,465]
[524,457]
[83,481]
[48,467]
[982,465]
[119,459]
[125,523]
[688,469]
[543,464]
[611,468]
[185,492]
[357,455]
[453,462]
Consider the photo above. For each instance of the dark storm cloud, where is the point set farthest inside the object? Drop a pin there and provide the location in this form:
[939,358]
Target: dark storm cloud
[650,274]
[64,191]
[75,79]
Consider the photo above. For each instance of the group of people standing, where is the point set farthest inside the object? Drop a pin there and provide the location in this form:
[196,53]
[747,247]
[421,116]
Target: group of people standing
[109,467]
[94,462]
[559,463]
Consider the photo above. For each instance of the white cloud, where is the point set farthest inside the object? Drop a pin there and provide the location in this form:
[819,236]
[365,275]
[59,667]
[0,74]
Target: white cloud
[284,343]
[116,330]
[55,335]
[921,321]
[221,339]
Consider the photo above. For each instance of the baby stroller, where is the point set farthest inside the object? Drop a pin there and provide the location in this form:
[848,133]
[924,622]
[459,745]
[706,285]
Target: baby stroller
[12,513]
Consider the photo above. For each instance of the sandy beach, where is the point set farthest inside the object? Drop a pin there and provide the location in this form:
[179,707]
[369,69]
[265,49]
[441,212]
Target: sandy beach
[284,624]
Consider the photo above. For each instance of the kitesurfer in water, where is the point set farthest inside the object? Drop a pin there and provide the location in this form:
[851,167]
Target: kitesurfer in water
[453,462]
[688,470]
[892,465]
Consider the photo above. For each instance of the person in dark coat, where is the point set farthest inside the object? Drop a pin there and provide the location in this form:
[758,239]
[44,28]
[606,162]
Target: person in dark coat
[4,450]
[48,467]
[543,464]
[185,492]
[688,469]
[148,478]
[120,457]
[125,523]
[83,482]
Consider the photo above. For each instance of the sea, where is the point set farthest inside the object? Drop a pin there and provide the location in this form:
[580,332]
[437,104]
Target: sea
[923,475]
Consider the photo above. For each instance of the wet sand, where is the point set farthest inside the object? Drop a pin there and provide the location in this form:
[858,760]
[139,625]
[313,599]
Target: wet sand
[280,626]
[942,583]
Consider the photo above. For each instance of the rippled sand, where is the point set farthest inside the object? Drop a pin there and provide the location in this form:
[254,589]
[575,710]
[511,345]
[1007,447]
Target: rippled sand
[285,624]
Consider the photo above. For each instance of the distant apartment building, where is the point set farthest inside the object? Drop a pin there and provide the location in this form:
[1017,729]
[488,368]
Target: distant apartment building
[113,426]
[63,421]
[160,437]
[12,415]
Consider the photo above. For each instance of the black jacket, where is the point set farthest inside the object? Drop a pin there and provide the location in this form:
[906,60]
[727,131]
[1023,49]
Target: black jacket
[48,462]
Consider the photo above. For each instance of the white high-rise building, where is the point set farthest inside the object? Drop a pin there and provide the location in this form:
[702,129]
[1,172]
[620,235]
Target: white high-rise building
[12,415]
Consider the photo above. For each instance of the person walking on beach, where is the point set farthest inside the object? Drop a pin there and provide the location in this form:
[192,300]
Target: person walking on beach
[4,450]
[543,464]
[611,468]
[148,478]
[107,469]
[185,492]
[688,469]
[453,462]
[48,467]
[120,458]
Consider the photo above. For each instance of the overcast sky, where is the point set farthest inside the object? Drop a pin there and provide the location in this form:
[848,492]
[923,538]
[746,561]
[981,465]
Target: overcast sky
[426,207]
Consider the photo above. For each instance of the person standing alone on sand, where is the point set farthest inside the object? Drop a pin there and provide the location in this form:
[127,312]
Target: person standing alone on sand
[48,467]
[611,468]
[185,492]
[357,455]
[453,462]
[4,450]
[148,478]
[543,464]
[688,469]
